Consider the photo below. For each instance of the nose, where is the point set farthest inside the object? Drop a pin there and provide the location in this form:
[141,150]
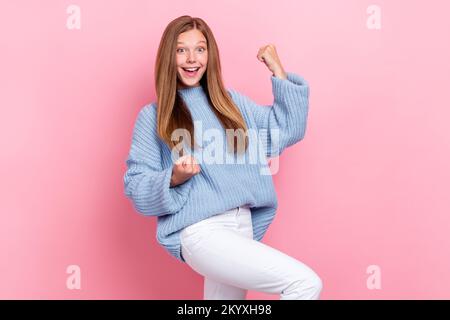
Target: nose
[190,58]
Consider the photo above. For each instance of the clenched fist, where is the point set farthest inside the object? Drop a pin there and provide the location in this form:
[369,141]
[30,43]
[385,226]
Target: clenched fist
[183,169]
[268,54]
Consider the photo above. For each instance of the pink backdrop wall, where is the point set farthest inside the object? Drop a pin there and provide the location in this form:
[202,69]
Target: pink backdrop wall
[367,186]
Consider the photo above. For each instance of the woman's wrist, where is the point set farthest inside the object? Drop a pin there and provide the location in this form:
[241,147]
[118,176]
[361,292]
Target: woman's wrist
[172,180]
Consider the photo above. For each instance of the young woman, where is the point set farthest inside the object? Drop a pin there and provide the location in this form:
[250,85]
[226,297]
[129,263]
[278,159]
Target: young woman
[213,203]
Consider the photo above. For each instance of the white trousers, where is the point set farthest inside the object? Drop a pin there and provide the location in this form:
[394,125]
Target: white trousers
[222,249]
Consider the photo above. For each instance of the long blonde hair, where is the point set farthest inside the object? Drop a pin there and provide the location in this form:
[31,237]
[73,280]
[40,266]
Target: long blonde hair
[172,112]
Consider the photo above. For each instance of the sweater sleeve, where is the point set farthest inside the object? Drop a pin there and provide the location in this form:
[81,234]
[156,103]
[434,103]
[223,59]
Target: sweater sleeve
[283,123]
[146,182]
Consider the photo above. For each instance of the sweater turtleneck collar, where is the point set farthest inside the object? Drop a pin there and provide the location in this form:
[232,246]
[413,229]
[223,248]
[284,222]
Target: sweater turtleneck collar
[192,92]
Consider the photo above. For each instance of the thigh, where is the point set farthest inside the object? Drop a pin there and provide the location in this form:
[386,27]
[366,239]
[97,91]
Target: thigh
[226,256]
[244,222]
[238,219]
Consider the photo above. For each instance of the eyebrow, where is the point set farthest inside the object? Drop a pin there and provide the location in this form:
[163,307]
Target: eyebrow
[197,42]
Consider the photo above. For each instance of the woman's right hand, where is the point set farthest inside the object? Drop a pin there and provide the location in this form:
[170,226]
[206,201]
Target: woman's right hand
[183,169]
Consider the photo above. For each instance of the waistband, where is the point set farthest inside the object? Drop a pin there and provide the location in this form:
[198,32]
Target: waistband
[244,209]
[235,210]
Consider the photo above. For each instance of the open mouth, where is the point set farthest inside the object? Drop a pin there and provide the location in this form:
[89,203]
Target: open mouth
[190,72]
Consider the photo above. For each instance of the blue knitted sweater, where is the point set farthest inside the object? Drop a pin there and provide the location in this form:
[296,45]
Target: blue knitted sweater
[218,187]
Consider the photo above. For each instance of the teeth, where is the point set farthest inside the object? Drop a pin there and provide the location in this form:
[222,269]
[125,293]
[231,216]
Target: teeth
[191,69]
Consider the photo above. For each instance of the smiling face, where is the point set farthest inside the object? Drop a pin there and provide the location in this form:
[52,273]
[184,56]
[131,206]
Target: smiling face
[191,54]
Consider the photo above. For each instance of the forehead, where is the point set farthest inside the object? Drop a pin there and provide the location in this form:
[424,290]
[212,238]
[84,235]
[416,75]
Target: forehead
[191,37]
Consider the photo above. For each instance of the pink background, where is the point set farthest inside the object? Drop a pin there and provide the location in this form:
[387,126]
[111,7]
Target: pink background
[367,186]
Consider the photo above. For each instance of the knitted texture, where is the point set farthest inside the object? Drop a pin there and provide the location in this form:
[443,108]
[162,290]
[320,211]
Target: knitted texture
[219,186]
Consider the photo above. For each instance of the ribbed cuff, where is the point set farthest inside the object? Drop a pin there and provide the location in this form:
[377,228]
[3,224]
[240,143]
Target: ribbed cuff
[176,196]
[295,87]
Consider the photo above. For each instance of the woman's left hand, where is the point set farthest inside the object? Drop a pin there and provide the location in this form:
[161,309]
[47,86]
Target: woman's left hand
[268,54]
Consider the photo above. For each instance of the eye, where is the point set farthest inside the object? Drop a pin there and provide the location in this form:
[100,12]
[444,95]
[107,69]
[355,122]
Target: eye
[201,49]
